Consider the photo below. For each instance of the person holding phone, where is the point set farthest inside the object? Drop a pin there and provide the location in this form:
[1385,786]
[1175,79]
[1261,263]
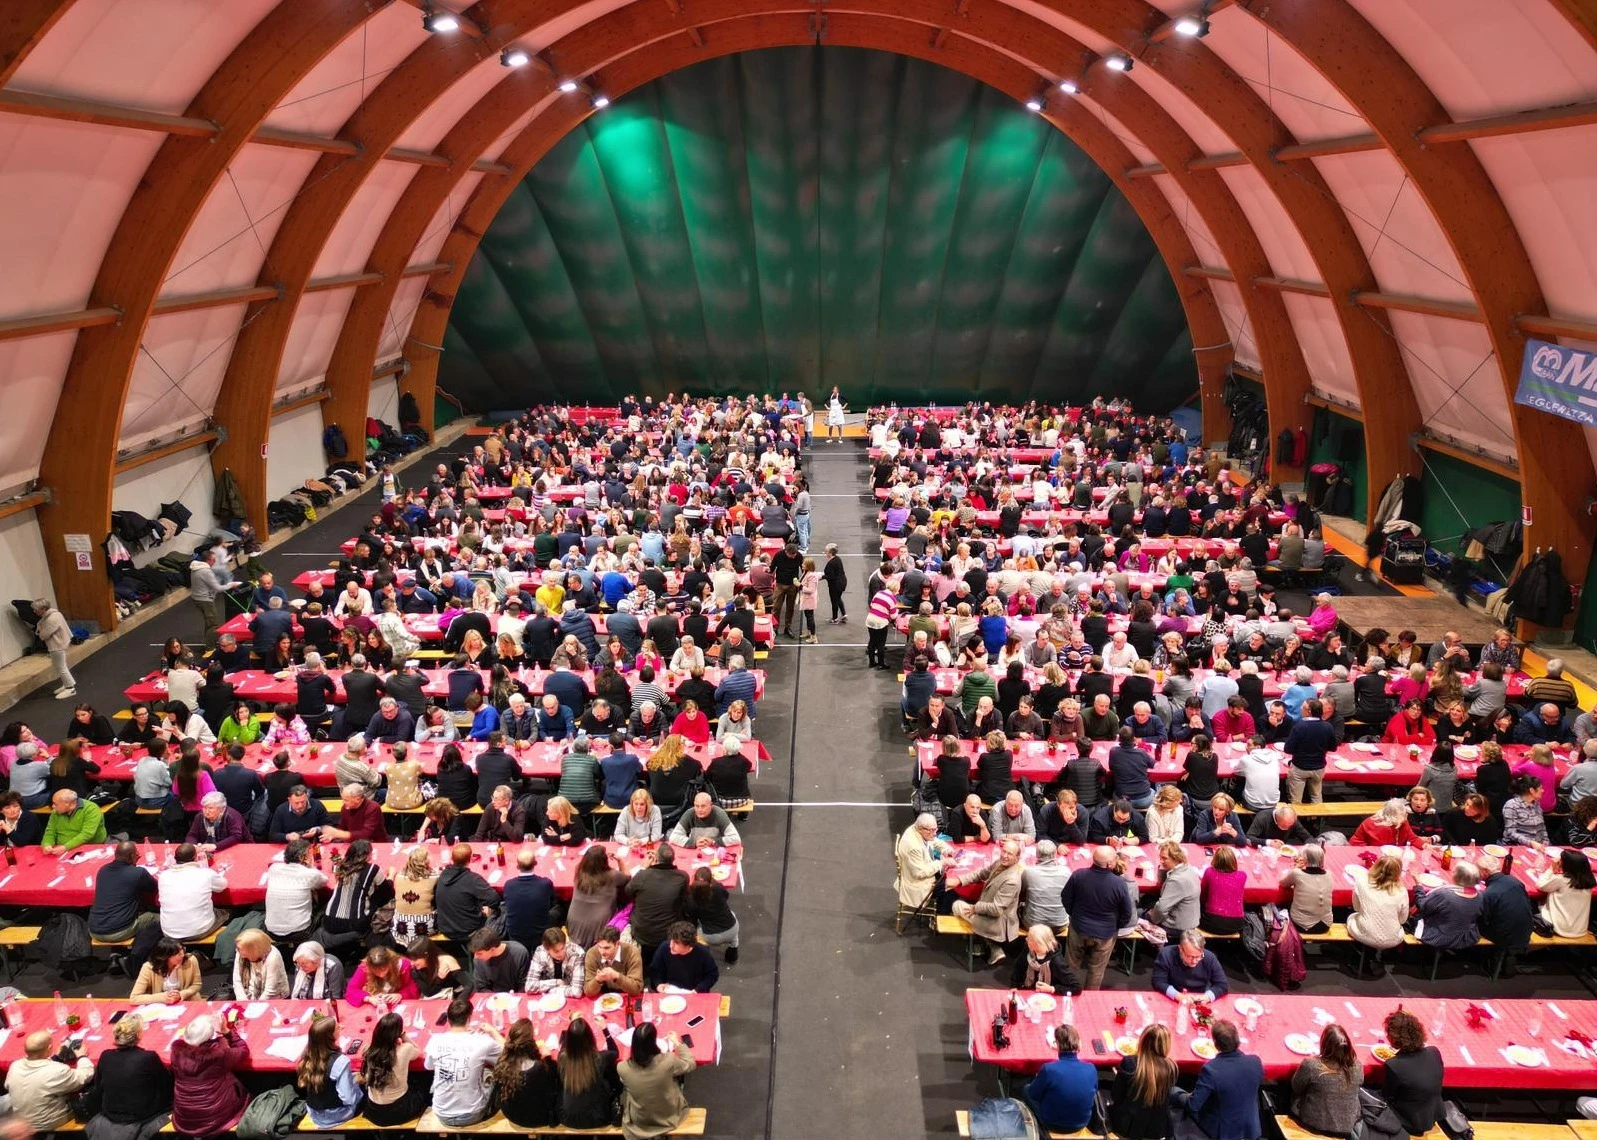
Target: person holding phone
[652,1103]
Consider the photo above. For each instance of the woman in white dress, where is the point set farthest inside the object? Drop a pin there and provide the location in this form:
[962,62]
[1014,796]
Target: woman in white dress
[834,415]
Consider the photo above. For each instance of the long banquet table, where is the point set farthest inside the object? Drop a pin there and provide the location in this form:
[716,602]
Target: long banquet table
[1265,867]
[275,1030]
[1383,765]
[1474,1058]
[68,880]
[316,762]
[277,688]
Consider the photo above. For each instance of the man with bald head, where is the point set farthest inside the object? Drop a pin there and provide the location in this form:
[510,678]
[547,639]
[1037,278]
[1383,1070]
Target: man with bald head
[41,1088]
[462,898]
[1100,907]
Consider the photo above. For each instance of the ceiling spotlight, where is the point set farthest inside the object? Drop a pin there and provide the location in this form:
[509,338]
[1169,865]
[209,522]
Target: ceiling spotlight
[1118,63]
[600,102]
[1068,86]
[1196,26]
[514,57]
[436,22]
[1034,105]
[568,86]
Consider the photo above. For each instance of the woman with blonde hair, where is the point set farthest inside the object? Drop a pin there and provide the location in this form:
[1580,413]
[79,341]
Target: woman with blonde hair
[1380,905]
[562,826]
[414,916]
[258,970]
[639,821]
[1140,1108]
[670,772]
[475,650]
[1166,818]
[735,722]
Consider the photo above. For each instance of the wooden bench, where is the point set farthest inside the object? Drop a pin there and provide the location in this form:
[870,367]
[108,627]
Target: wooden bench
[954,925]
[1338,933]
[1292,1130]
[962,1119]
[13,940]
[1502,1130]
[1584,1129]
[693,1124]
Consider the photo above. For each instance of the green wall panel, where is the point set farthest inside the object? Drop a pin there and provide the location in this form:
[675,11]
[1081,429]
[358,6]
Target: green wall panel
[1340,439]
[801,217]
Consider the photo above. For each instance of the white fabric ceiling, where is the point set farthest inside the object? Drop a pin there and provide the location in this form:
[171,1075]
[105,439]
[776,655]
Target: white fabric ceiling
[64,185]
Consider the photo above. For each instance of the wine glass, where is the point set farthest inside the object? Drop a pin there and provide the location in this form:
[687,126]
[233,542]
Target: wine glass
[1535,1027]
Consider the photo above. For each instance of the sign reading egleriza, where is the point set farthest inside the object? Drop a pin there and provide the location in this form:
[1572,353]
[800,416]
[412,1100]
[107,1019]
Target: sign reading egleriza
[1559,380]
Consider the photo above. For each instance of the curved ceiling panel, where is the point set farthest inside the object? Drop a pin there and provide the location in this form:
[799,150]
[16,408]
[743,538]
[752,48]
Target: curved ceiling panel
[799,217]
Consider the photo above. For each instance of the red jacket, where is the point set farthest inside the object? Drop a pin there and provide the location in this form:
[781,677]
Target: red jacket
[206,1097]
[365,822]
[1373,833]
[1401,730]
[1229,725]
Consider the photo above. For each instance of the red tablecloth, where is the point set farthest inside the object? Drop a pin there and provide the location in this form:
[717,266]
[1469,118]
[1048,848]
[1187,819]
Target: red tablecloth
[425,627]
[282,1021]
[260,686]
[68,881]
[450,546]
[1266,867]
[673,578]
[1385,765]
[541,760]
[1473,1057]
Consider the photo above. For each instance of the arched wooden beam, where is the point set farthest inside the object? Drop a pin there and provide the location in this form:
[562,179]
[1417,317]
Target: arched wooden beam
[1582,14]
[23,23]
[244,402]
[243,405]
[1227,99]
[80,453]
[1555,464]
[363,330]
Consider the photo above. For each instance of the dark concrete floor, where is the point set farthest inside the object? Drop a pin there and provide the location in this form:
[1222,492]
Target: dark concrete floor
[838,1029]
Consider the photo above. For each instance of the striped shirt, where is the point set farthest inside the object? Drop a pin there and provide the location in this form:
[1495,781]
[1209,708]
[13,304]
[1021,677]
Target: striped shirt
[883,607]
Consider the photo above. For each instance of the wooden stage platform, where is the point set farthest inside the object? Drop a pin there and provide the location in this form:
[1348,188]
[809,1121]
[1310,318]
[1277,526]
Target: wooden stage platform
[1429,617]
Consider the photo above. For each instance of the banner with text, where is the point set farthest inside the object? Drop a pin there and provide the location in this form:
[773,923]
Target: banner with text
[1560,380]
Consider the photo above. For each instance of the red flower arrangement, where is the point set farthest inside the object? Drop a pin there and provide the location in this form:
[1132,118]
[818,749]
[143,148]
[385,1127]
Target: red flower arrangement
[1476,1015]
[1122,1015]
[1202,1014]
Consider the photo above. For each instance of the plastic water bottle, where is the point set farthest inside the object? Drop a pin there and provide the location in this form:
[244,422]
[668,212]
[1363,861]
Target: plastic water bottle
[1181,1017]
[94,1013]
[60,1010]
[1067,1011]
[1439,1022]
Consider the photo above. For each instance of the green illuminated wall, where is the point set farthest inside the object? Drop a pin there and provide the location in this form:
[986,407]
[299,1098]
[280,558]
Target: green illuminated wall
[796,218]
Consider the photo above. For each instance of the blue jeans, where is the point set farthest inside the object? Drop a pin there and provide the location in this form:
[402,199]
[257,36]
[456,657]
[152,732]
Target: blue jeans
[1141,802]
[37,800]
[801,526]
[153,803]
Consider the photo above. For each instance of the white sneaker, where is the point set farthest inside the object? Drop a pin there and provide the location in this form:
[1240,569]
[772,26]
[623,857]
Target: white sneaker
[1587,1107]
[63,694]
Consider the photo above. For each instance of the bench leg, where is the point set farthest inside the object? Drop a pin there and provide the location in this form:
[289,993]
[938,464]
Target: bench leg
[1436,963]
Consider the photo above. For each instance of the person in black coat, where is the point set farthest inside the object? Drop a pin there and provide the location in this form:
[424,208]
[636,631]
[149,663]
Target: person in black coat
[132,1086]
[1412,1080]
[1043,966]
[995,770]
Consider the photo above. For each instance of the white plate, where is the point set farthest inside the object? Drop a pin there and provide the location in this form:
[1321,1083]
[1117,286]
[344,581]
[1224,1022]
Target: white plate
[1343,765]
[1203,1047]
[1467,751]
[1372,749]
[507,1002]
[1043,1003]
[1247,1005]
[675,1003]
[1392,851]
[609,1003]
[1496,849]
[1382,765]
[1432,879]
[1302,1044]
[1522,1055]
[551,1002]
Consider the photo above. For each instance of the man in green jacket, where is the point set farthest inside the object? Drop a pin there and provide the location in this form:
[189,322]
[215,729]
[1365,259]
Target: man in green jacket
[73,823]
[978,683]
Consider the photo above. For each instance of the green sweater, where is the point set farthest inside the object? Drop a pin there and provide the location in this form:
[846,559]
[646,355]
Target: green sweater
[86,825]
[975,687]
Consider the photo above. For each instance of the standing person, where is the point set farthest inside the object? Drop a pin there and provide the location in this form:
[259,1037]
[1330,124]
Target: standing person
[809,585]
[801,515]
[878,622]
[659,899]
[52,629]
[206,587]
[834,416]
[786,566]
[1100,907]
[836,577]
